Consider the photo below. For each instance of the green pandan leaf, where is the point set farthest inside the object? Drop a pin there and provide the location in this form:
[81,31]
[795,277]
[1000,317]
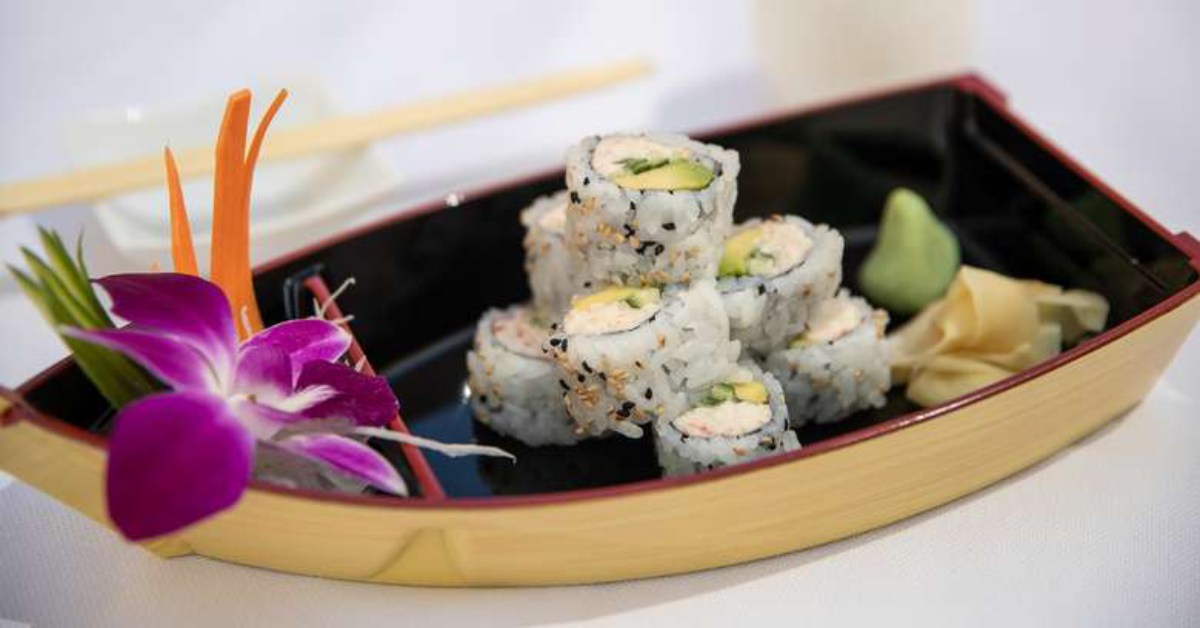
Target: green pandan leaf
[64,295]
[58,295]
[914,259]
[82,271]
[73,274]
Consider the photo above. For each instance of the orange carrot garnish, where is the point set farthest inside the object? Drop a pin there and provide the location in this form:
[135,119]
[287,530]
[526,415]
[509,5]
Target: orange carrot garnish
[230,266]
[182,252]
[256,145]
[232,182]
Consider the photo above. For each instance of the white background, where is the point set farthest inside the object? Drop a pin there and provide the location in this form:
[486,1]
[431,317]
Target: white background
[1106,534]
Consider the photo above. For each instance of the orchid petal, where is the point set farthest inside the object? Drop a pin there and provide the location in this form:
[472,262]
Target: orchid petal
[264,371]
[262,420]
[174,459]
[347,456]
[188,308]
[177,365]
[363,399]
[305,340]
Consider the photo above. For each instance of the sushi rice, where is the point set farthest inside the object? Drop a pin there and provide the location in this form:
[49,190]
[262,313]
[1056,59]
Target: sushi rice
[838,366]
[627,356]
[514,386]
[719,428]
[769,302]
[629,234]
[548,264]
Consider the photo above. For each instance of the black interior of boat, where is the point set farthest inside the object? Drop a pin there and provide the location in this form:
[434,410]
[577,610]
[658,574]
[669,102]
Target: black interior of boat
[423,281]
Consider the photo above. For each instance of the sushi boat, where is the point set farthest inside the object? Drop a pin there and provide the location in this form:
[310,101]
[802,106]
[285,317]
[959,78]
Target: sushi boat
[601,512]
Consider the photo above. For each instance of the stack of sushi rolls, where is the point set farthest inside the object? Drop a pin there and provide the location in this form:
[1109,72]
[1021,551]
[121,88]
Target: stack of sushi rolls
[741,417]
[628,356]
[549,266]
[651,311]
[773,273]
[649,209]
[514,385]
[838,365]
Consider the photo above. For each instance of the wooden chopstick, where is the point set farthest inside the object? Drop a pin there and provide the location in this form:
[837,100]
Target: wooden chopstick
[333,134]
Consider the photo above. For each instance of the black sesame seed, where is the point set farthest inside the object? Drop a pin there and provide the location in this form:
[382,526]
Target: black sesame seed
[632,206]
[629,231]
[587,284]
[658,249]
[564,385]
[586,181]
[586,367]
[574,198]
[649,394]
[762,288]
[604,376]
[581,378]
[638,364]
[564,344]
[553,326]
[628,406]
[554,342]
[669,226]
[483,398]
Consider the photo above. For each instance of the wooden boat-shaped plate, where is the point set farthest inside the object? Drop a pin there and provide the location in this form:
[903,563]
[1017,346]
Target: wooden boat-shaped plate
[600,512]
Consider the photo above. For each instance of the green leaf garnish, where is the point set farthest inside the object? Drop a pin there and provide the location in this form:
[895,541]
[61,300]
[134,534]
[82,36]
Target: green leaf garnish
[59,287]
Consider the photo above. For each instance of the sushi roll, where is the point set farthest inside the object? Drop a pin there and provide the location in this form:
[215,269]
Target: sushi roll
[741,418]
[628,355]
[514,386]
[838,365]
[548,264]
[649,210]
[773,273]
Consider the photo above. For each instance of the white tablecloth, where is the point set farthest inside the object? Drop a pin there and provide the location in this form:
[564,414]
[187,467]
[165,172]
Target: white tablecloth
[1107,533]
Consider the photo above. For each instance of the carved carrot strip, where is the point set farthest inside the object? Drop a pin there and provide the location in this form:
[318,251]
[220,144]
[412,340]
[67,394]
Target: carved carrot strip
[230,266]
[256,145]
[183,253]
[252,318]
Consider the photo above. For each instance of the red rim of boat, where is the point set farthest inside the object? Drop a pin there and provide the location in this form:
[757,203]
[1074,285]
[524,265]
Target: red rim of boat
[968,83]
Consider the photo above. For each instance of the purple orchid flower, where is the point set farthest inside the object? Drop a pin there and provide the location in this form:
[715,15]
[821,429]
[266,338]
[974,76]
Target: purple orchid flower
[177,457]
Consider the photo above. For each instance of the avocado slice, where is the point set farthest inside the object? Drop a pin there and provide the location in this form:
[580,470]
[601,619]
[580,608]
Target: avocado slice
[915,256]
[800,341]
[760,263]
[676,174]
[751,392]
[719,393]
[634,297]
[735,260]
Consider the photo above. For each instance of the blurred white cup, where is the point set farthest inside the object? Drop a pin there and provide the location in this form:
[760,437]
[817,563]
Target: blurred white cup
[815,50]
